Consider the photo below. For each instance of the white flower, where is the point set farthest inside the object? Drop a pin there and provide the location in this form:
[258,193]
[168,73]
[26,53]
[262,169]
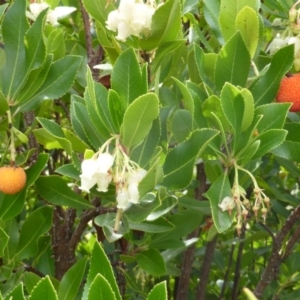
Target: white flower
[87,183]
[134,178]
[227,204]
[133,191]
[276,44]
[89,168]
[53,15]
[122,198]
[103,181]
[105,162]
[132,18]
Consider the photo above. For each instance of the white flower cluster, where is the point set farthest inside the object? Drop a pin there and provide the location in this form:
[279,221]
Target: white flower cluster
[103,168]
[133,17]
[53,15]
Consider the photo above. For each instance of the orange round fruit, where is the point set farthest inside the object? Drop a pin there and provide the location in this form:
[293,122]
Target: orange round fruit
[12,180]
[289,91]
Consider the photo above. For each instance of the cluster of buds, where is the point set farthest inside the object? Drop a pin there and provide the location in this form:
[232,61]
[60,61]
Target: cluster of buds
[238,200]
[52,16]
[289,36]
[133,17]
[105,167]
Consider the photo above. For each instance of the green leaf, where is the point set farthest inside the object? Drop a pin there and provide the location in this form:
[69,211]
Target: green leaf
[57,133]
[181,125]
[98,9]
[138,119]
[43,290]
[247,23]
[166,24]
[185,222]
[101,289]
[11,205]
[274,115]
[269,140]
[143,153]
[14,27]
[95,97]
[217,192]
[35,170]
[3,104]
[3,241]
[30,281]
[289,150]
[71,281]
[35,49]
[58,81]
[152,262]
[264,90]
[229,11]
[37,223]
[192,204]
[127,79]
[83,126]
[250,152]
[68,170]
[16,294]
[233,63]
[159,225]
[56,191]
[116,109]
[159,292]
[249,109]
[139,212]
[166,205]
[100,265]
[179,163]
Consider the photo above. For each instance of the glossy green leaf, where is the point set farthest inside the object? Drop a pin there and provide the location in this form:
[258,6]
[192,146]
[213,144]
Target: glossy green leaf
[166,205]
[151,261]
[37,223]
[217,192]
[3,241]
[166,24]
[127,78]
[199,206]
[57,133]
[83,126]
[55,190]
[3,104]
[100,289]
[68,170]
[159,292]
[184,221]
[289,150]
[249,109]
[269,140]
[139,212]
[138,119]
[59,79]
[143,153]
[159,225]
[228,12]
[14,27]
[264,90]
[233,63]
[35,49]
[11,205]
[36,169]
[179,163]
[16,293]
[250,152]
[43,290]
[71,281]
[116,108]
[30,281]
[100,265]
[247,23]
[95,98]
[181,125]
[274,115]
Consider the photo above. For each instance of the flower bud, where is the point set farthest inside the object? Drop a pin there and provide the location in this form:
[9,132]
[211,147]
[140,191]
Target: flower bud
[292,15]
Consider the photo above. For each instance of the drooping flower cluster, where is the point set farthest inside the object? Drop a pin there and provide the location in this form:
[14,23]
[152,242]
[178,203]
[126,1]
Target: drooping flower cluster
[53,15]
[238,200]
[104,168]
[133,17]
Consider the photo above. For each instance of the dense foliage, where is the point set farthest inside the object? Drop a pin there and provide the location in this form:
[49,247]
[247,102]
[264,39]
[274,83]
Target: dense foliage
[159,164]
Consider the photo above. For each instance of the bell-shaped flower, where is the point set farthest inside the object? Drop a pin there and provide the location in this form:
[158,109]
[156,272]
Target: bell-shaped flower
[122,198]
[89,168]
[87,182]
[227,204]
[133,191]
[113,20]
[136,176]
[105,162]
[103,181]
